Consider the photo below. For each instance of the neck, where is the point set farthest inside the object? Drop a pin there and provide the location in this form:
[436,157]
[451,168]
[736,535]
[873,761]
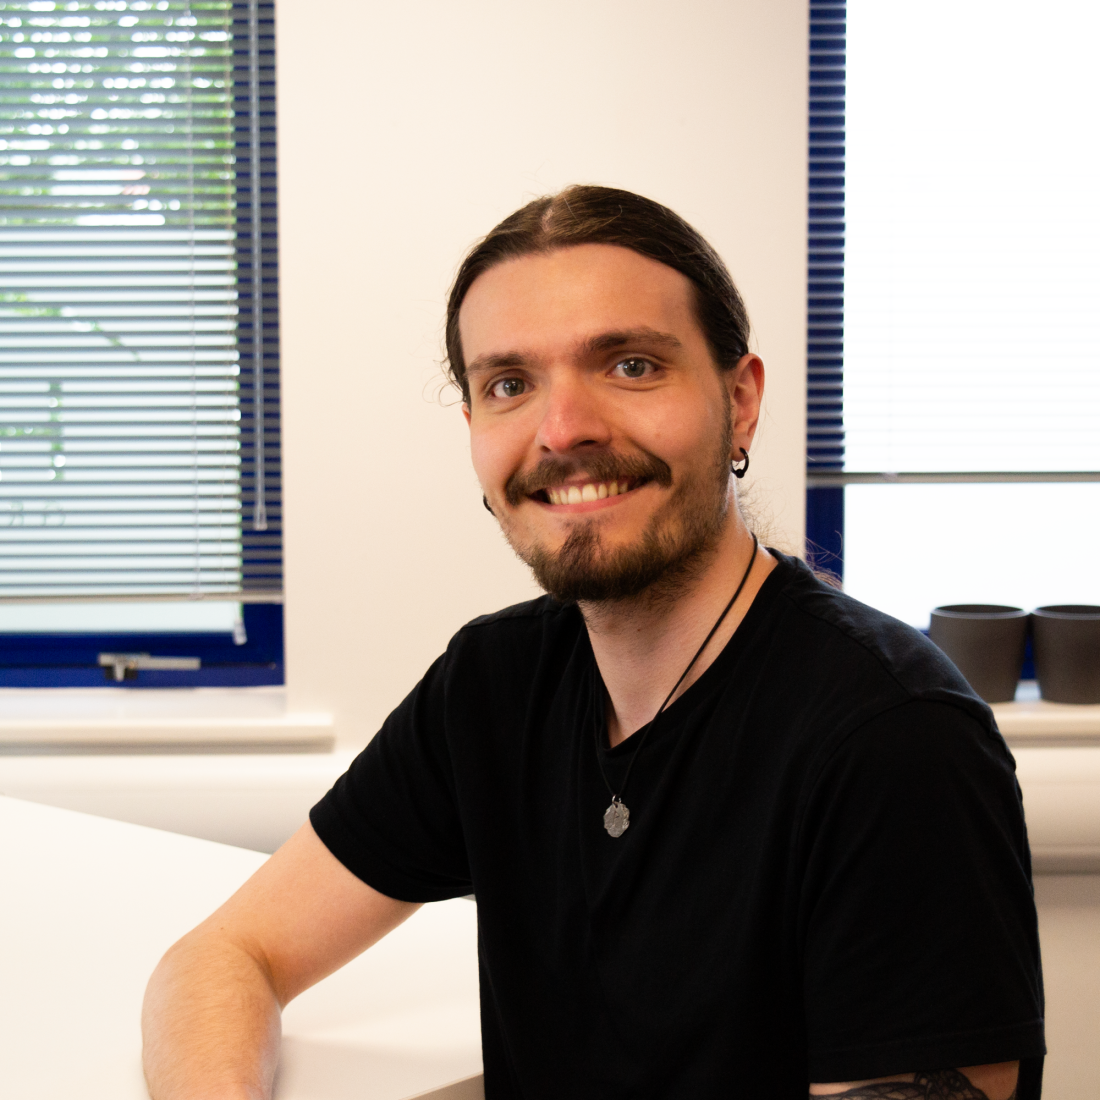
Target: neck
[643,645]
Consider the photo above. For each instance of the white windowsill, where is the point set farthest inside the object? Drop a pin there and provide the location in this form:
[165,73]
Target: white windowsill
[249,719]
[254,719]
[1029,720]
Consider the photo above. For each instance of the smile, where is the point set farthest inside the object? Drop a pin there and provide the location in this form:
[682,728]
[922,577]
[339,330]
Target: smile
[589,491]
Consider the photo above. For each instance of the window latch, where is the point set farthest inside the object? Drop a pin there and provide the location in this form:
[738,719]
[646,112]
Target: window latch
[124,666]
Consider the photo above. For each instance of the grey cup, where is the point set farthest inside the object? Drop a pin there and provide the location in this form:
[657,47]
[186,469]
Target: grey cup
[986,643]
[1067,652]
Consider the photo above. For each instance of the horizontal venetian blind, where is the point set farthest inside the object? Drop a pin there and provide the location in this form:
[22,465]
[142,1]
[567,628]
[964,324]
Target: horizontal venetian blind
[971,283]
[825,266]
[125,421]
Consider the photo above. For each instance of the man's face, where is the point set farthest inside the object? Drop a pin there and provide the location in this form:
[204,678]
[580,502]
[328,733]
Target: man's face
[601,429]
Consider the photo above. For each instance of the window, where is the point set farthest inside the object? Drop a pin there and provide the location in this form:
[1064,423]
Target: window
[954,424]
[139,402]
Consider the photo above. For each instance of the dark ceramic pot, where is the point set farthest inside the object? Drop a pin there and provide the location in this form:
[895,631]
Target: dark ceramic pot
[1067,652]
[986,642]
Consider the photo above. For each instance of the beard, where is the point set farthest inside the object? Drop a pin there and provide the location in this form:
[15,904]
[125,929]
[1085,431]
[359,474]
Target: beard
[670,551]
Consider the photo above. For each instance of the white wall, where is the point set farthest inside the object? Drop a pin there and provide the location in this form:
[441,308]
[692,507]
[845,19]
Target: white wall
[406,131]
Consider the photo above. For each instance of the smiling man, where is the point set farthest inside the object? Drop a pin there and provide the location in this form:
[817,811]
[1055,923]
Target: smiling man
[731,833]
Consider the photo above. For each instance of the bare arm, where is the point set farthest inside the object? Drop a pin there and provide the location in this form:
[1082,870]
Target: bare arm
[211,1015]
[990,1082]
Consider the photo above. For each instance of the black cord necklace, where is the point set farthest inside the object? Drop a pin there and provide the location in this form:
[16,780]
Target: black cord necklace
[616,818]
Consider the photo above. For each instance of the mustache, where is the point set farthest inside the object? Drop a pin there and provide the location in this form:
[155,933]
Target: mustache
[600,466]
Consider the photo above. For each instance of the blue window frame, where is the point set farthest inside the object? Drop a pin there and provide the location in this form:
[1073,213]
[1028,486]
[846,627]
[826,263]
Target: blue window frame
[69,117]
[72,659]
[825,289]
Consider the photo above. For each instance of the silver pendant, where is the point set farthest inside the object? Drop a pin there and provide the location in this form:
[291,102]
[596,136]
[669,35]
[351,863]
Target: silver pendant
[616,818]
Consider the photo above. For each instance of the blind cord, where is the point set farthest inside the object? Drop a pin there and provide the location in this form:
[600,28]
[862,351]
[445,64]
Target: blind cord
[189,133]
[259,511]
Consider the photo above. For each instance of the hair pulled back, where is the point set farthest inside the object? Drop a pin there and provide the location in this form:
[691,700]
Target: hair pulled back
[588,214]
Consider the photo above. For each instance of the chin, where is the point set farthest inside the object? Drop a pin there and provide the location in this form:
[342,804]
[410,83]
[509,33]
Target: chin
[584,570]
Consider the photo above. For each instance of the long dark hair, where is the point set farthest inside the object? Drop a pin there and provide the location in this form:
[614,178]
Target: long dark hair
[587,214]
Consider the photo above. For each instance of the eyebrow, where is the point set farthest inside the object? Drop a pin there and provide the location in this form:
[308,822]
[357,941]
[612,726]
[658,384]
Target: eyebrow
[485,363]
[643,336]
[605,341]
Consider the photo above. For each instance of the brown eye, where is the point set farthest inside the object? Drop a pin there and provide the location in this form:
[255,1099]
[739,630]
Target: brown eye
[509,387]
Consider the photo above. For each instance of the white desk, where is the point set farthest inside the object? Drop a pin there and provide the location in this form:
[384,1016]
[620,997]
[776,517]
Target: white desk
[89,906]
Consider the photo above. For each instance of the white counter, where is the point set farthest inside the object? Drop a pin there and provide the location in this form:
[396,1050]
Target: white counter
[89,907]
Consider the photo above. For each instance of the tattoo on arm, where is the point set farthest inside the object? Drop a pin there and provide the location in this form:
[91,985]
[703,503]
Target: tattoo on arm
[942,1084]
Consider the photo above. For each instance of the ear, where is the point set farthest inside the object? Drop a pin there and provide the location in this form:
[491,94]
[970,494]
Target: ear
[745,383]
[466,410]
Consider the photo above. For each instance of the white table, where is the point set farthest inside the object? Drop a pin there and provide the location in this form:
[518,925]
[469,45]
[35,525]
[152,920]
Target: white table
[89,906]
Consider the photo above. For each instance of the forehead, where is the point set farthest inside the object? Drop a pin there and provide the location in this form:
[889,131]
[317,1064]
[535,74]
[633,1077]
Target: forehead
[536,303]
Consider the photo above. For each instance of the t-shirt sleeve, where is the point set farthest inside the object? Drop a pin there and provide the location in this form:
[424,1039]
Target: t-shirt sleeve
[917,920]
[392,818]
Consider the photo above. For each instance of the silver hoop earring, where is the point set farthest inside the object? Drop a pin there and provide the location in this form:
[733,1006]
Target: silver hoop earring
[740,471]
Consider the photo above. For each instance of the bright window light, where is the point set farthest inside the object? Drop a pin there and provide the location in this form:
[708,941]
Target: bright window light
[910,548]
[972,287]
[972,300]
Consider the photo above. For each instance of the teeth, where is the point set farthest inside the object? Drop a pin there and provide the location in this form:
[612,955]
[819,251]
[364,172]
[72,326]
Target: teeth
[592,490]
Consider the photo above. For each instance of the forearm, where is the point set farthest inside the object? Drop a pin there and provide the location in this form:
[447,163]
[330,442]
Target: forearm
[211,1014]
[210,1023]
[996,1081]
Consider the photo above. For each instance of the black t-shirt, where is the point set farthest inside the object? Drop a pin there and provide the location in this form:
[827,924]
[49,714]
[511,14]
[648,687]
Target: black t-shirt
[826,875]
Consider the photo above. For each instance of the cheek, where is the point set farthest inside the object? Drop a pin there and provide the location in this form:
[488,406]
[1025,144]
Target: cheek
[683,433]
[495,455]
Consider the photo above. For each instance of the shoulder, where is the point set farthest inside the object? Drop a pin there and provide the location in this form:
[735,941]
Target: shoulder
[851,635]
[519,633]
[532,619]
[922,746]
[527,613]
[856,663]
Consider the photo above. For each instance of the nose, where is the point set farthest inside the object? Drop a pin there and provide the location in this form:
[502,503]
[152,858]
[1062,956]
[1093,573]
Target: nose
[572,418]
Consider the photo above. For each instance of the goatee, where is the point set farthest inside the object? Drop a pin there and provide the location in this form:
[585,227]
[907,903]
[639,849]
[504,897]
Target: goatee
[674,545]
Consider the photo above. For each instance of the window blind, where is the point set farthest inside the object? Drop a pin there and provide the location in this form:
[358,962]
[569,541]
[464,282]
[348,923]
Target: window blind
[138,340]
[825,300]
[971,317]
[964,162]
[825,289]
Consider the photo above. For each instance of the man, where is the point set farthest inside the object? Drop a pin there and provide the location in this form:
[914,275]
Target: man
[730,832]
